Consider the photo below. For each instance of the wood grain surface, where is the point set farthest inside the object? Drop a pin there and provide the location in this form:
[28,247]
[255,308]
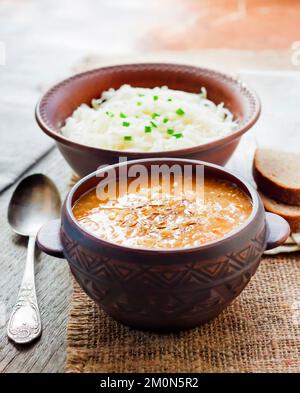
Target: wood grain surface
[53,286]
[53,279]
[43,40]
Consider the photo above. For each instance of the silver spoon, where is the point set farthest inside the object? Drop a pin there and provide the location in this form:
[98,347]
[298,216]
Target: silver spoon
[35,201]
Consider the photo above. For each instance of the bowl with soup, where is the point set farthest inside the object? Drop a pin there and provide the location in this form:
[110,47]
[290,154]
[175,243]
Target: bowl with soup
[139,111]
[159,251]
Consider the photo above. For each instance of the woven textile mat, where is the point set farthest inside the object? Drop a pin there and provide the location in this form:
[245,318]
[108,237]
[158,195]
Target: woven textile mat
[259,332]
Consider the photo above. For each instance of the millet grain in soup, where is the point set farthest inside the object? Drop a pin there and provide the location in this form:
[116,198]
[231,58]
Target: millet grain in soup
[152,219]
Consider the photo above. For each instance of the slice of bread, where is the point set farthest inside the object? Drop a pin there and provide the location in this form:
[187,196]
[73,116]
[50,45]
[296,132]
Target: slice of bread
[277,175]
[289,212]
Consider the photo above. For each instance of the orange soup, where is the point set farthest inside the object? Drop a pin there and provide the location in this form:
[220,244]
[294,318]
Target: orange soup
[148,218]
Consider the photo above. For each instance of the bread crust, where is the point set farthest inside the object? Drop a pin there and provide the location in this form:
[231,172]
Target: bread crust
[271,188]
[290,213]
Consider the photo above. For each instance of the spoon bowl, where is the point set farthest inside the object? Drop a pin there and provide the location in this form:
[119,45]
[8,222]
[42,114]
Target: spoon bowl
[35,201]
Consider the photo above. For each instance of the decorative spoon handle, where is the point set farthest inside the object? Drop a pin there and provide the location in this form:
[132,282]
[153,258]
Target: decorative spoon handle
[25,323]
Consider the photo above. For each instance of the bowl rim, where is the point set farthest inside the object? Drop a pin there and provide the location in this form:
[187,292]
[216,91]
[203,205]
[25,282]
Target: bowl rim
[152,251]
[41,115]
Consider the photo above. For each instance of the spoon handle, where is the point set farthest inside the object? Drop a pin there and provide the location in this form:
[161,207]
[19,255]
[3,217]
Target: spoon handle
[25,323]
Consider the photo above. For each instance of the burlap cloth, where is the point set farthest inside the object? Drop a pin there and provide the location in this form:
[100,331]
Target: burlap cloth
[259,332]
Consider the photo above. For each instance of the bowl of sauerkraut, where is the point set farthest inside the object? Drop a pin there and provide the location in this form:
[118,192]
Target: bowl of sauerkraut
[146,110]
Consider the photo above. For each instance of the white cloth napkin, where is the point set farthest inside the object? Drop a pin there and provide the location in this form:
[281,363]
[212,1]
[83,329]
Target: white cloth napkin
[279,124]
[27,73]
[21,141]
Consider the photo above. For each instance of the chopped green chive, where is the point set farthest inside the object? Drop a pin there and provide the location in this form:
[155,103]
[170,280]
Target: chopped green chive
[154,115]
[148,129]
[180,112]
[127,138]
[165,120]
[170,131]
[155,98]
[139,103]
[122,115]
[141,95]
[169,99]
[154,125]
[110,114]
[177,136]
[125,124]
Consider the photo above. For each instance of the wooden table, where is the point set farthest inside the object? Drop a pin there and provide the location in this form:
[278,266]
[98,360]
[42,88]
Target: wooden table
[53,279]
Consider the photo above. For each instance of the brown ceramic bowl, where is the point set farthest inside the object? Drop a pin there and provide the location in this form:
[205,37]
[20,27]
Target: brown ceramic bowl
[163,289]
[61,100]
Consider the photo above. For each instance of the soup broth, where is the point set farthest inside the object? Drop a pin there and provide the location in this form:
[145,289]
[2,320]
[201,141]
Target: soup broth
[152,218]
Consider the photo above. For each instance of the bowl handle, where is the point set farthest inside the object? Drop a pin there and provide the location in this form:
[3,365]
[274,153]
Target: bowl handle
[48,239]
[278,230]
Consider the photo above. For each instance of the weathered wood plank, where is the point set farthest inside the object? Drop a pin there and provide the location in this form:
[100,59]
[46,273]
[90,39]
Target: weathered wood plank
[52,275]
[52,282]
